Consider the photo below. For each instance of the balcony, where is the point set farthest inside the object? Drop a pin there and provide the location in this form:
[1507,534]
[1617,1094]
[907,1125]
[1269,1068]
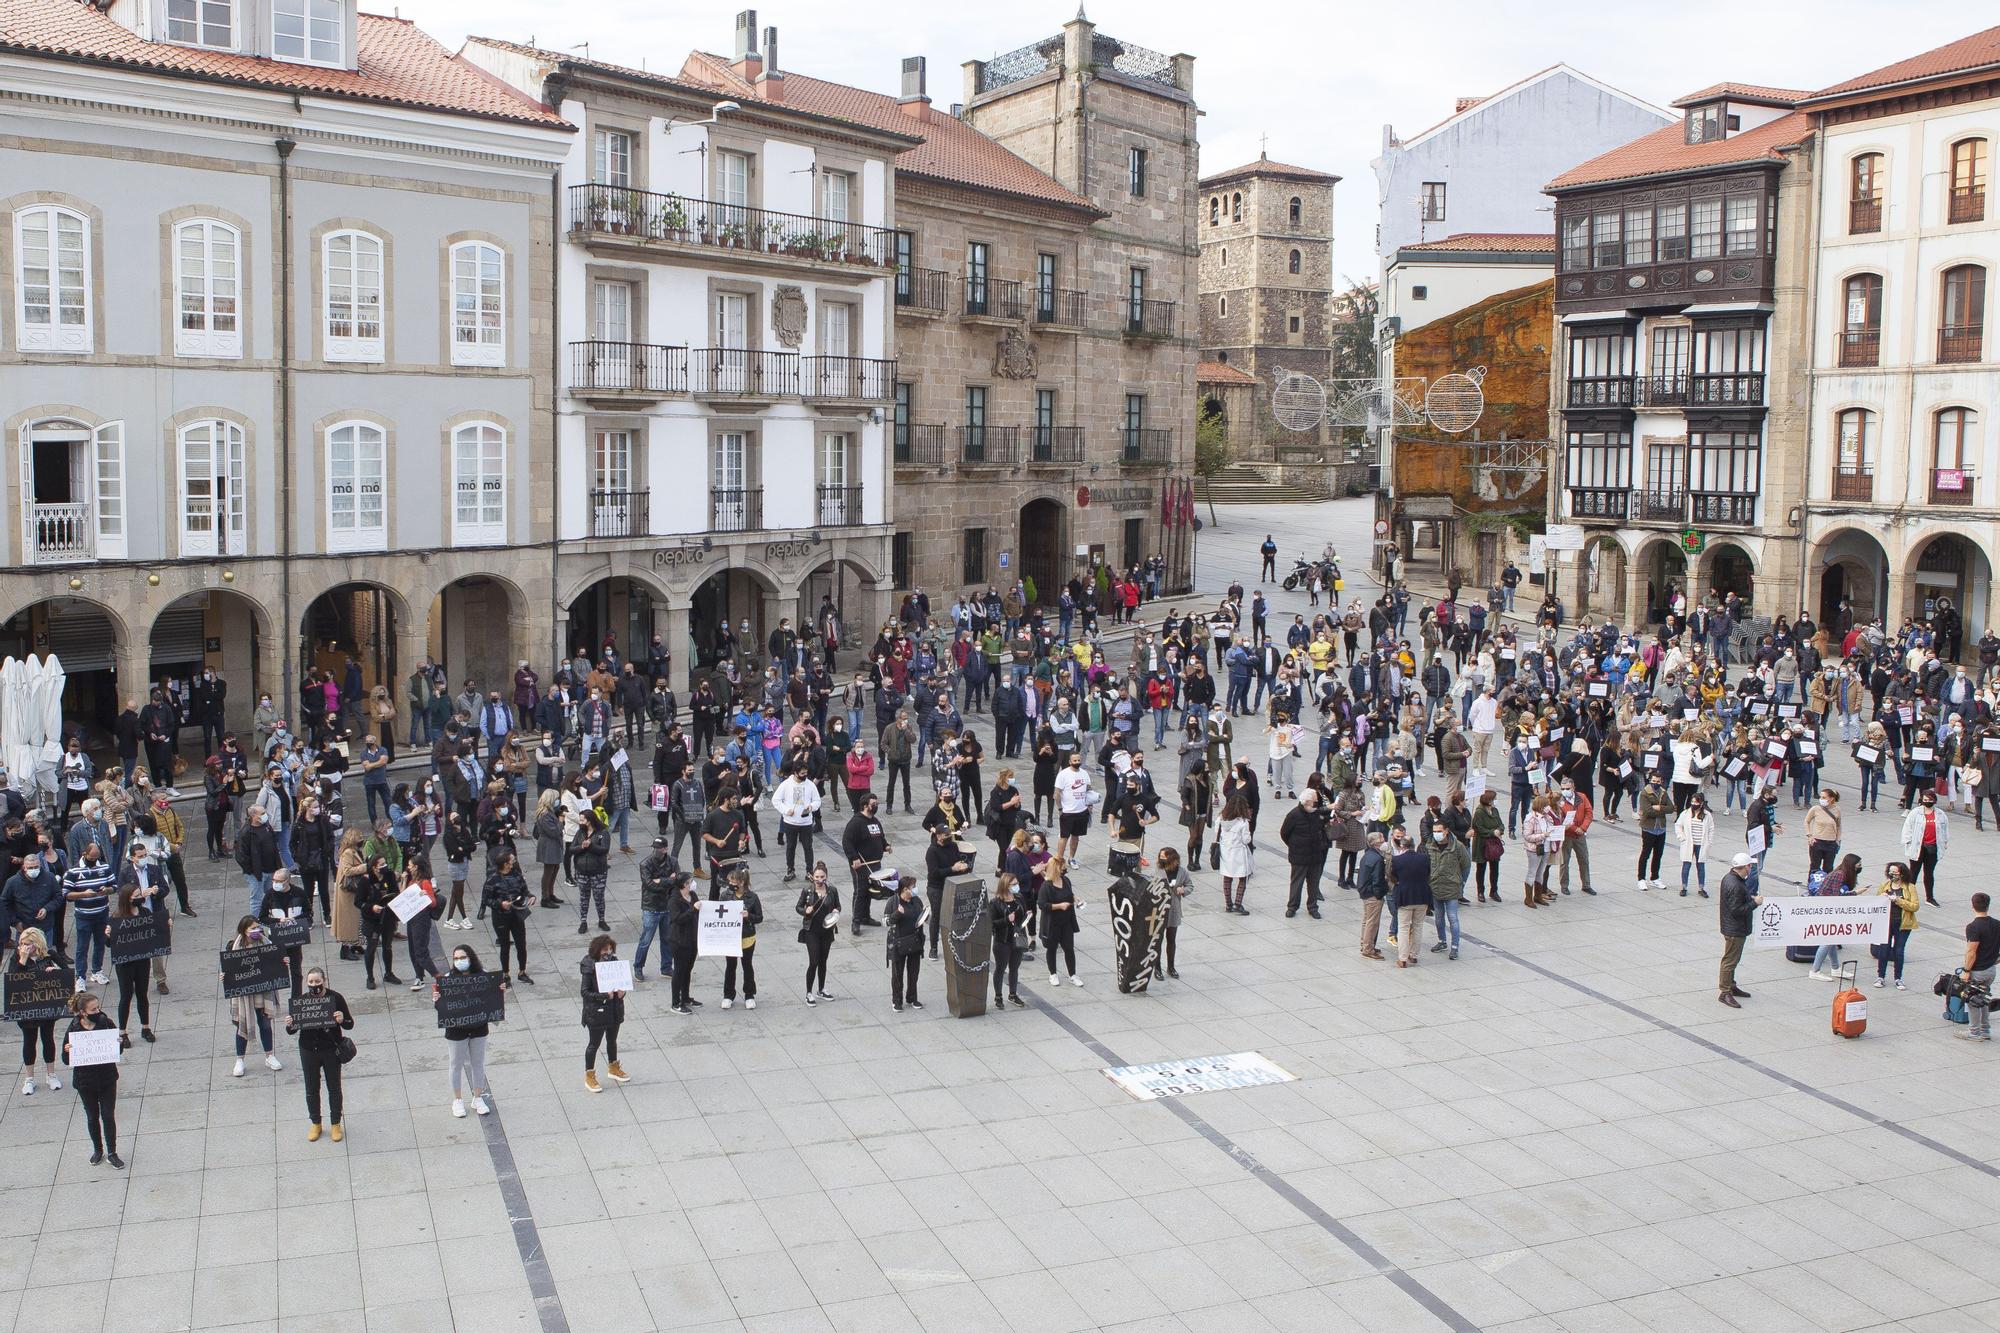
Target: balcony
[1602,391]
[1856,487]
[1951,486]
[1597,502]
[1059,307]
[1864,216]
[60,534]
[626,217]
[992,298]
[1055,444]
[736,509]
[1724,509]
[735,372]
[1149,319]
[839,507]
[923,291]
[1147,448]
[989,446]
[1662,391]
[627,370]
[922,446]
[1968,204]
[1734,390]
[848,378]
[1659,506]
[1960,342]
[619,513]
[1861,347]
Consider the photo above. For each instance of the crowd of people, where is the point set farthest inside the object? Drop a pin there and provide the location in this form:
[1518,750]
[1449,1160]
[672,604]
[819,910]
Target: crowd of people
[1532,737]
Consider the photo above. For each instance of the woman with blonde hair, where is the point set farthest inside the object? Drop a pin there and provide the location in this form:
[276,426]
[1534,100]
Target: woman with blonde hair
[350,867]
[31,954]
[1536,830]
[381,714]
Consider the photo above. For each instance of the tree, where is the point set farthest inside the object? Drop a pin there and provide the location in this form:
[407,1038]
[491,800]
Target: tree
[1353,333]
[1212,451]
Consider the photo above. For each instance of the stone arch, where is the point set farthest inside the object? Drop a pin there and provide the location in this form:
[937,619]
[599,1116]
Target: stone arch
[1656,564]
[477,624]
[1945,567]
[1730,566]
[1601,587]
[1849,563]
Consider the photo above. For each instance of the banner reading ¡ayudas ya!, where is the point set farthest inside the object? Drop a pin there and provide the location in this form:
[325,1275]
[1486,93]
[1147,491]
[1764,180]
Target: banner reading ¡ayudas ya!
[1782,923]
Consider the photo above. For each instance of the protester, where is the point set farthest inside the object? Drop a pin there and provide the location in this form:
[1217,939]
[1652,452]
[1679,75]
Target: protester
[467,1042]
[96,1085]
[603,1015]
[31,956]
[320,1056]
[1901,892]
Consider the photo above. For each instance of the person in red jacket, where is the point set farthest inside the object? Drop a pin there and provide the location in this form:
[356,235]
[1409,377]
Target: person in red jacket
[1575,814]
[860,774]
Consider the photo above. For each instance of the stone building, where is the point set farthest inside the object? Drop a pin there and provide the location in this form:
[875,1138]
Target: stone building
[1267,285]
[274,352]
[1902,510]
[1683,302]
[725,315]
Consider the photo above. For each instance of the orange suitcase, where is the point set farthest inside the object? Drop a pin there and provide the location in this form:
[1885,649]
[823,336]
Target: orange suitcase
[1850,1006]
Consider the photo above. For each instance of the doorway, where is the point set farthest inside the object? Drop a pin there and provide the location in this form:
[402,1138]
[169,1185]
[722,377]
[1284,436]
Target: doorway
[1041,549]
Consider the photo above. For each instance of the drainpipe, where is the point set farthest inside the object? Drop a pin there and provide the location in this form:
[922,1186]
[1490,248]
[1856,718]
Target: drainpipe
[288,633]
[555,409]
[1810,315]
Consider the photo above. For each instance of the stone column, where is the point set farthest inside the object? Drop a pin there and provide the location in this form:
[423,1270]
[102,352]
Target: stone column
[131,664]
[682,648]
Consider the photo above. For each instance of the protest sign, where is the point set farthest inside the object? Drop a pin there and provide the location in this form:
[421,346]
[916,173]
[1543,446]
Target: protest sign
[1840,919]
[466,999]
[94,1046]
[614,974]
[36,993]
[410,902]
[294,933]
[719,932]
[140,936]
[254,970]
[313,1011]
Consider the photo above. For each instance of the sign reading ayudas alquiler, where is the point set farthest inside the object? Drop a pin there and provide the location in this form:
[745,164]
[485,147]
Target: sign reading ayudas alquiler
[1204,1073]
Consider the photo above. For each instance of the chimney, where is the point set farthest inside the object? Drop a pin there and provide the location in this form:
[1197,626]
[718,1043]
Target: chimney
[771,82]
[914,102]
[747,62]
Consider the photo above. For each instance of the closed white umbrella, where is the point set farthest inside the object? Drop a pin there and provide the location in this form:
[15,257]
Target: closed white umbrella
[47,704]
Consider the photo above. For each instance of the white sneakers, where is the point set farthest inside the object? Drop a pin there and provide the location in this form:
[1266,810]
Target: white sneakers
[238,1071]
[749,1004]
[479,1105]
[55,1084]
[79,982]
[1054,980]
[1823,976]
[419,984]
[458,1107]
[1076,981]
[272,1063]
[99,978]
[1644,884]
[728,1003]
[28,1086]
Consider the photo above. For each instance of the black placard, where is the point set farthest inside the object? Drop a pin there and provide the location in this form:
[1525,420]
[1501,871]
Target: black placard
[293,934]
[252,971]
[469,998]
[141,935]
[36,993]
[313,1011]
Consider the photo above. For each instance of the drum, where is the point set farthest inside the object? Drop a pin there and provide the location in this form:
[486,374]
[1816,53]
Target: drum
[1125,858]
[884,883]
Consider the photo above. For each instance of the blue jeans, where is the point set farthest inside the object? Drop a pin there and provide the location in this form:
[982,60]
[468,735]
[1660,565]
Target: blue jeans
[649,926]
[1447,916]
[854,721]
[1826,958]
[93,937]
[372,788]
[1508,595]
[1891,952]
[420,727]
[1160,718]
[1239,696]
[1871,784]
[1518,801]
[770,762]
[259,885]
[1700,865]
[1785,690]
[1257,703]
[621,823]
[284,853]
[591,745]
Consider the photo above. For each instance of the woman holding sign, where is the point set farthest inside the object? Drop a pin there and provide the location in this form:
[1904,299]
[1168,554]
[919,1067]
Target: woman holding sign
[467,1044]
[603,1014]
[320,1051]
[252,1012]
[31,960]
[133,899]
[96,1083]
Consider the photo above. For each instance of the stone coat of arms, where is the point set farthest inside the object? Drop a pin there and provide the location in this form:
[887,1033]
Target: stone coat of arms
[1014,356]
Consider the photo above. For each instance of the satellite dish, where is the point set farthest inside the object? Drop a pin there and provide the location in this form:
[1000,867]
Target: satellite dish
[1455,402]
[1298,402]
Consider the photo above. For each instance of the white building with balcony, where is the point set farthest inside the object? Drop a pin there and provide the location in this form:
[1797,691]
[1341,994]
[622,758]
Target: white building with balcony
[270,356]
[725,319]
[1903,498]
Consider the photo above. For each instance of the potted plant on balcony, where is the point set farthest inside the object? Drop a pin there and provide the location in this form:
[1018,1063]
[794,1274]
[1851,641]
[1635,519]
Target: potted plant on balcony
[730,236]
[672,219]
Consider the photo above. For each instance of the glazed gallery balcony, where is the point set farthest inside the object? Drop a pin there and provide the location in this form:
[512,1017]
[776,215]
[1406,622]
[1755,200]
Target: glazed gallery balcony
[618,217]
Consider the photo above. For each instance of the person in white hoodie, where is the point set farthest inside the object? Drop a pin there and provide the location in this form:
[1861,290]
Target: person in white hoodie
[797,801]
[1483,720]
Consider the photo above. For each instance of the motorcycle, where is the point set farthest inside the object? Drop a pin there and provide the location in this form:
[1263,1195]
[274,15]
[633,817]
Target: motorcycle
[1301,575]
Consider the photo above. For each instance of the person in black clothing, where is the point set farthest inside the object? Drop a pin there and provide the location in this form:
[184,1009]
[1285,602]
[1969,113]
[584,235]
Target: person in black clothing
[96,1085]
[319,1055]
[907,917]
[941,859]
[376,888]
[864,844]
[133,898]
[505,895]
[603,1014]
[819,906]
[683,920]
[1006,913]
[1304,835]
[724,837]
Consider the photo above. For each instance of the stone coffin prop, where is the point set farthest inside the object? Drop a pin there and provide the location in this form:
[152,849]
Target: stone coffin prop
[968,953]
[1138,926]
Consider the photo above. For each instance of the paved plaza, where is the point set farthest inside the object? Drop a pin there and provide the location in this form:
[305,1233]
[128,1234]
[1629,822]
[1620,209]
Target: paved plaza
[1561,1130]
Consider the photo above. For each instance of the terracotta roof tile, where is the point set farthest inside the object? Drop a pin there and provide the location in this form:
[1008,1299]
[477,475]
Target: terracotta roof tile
[951,151]
[1980,50]
[1216,372]
[399,64]
[1667,152]
[1497,242]
[1264,166]
[1744,92]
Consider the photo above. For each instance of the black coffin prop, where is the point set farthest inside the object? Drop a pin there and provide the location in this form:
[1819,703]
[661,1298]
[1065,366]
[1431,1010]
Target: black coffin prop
[968,956]
[1138,925]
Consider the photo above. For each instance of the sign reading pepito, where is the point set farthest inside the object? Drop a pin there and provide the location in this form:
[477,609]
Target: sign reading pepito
[678,556]
[794,550]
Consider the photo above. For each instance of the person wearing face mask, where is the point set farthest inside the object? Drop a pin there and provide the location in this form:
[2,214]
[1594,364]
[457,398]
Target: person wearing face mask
[1926,834]
[253,1014]
[137,894]
[319,1056]
[33,897]
[603,1015]
[1451,862]
[31,954]
[467,1044]
[1574,814]
[87,886]
[96,1085]
[819,910]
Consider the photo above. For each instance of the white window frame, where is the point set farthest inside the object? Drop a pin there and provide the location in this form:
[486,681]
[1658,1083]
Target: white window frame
[478,304]
[608,165]
[836,196]
[53,333]
[221,444]
[208,308]
[201,21]
[354,344]
[355,534]
[108,489]
[312,49]
[479,484]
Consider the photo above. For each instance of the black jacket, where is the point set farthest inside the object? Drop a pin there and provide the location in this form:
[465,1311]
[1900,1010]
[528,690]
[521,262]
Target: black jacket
[658,876]
[814,911]
[257,849]
[592,851]
[683,920]
[503,887]
[1304,836]
[599,1009]
[863,839]
[1374,875]
[90,1078]
[326,1040]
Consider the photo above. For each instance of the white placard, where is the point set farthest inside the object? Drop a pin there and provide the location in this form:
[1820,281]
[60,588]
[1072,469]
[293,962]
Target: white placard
[1690,714]
[719,932]
[1208,1073]
[1506,654]
[618,760]
[1840,919]
[1563,537]
[1867,754]
[1651,759]
[410,902]
[1810,749]
[614,974]
[1906,715]
[1556,733]
[99,1046]
[1598,689]
[1625,769]
[1990,744]
[1776,749]
[1922,754]
[1734,768]
[1754,842]
[1475,783]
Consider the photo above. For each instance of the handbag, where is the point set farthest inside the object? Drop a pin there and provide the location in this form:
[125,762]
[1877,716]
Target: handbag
[1492,848]
[348,1050]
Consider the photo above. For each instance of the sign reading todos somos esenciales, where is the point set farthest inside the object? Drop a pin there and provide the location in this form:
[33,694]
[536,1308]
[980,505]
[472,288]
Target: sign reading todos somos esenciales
[1782,923]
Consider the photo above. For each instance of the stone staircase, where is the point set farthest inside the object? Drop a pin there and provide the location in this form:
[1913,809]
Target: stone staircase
[1241,484]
